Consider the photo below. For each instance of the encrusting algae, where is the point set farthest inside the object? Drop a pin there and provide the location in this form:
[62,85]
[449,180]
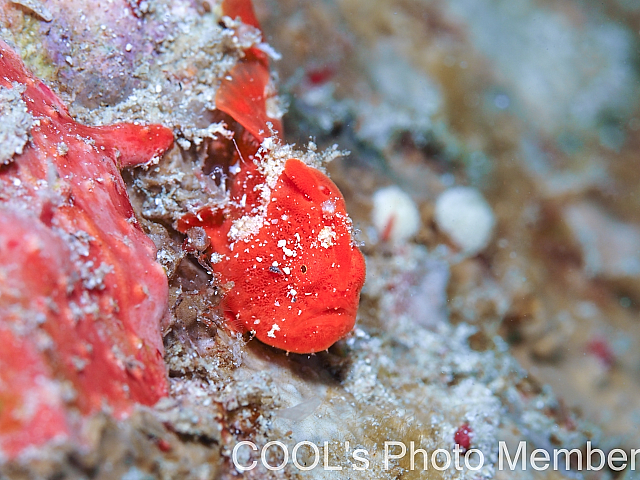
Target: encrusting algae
[81,293]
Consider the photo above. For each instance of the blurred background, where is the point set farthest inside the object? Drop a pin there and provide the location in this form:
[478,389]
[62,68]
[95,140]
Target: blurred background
[533,103]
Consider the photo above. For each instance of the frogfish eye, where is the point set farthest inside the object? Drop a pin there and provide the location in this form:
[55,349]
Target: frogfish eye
[303,269]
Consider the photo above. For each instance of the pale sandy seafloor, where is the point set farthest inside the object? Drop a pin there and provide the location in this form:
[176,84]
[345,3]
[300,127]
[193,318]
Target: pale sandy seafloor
[534,338]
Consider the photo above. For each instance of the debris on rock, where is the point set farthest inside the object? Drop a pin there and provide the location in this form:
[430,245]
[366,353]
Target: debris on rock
[466,217]
[16,122]
[394,214]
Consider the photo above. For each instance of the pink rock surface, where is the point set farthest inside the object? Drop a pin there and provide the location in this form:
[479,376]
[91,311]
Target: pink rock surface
[81,295]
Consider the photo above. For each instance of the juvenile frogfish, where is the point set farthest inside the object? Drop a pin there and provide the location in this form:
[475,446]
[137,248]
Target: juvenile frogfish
[284,247]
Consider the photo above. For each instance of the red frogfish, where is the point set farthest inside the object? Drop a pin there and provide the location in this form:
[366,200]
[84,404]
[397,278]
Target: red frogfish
[285,242]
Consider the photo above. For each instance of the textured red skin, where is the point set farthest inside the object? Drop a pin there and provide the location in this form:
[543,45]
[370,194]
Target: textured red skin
[104,339]
[243,92]
[327,281]
[328,293]
[243,97]
[242,9]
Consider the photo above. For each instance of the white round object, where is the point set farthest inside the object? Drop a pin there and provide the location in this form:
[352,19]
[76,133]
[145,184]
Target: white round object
[395,215]
[466,217]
